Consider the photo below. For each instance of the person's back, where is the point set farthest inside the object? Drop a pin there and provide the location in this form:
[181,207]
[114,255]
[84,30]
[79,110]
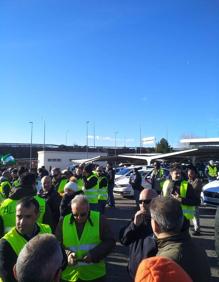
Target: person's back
[167,222]
[182,249]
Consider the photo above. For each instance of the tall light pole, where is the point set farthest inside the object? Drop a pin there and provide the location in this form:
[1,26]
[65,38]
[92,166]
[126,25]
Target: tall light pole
[87,122]
[31,138]
[140,140]
[94,136]
[66,137]
[44,135]
[116,132]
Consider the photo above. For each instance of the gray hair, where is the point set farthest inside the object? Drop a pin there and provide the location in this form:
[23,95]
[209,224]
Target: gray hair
[167,213]
[79,199]
[39,260]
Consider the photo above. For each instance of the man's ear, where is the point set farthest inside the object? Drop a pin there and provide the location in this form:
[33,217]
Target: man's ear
[155,227]
[14,272]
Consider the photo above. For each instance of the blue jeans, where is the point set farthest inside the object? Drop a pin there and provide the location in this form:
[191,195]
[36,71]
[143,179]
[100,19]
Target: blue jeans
[111,200]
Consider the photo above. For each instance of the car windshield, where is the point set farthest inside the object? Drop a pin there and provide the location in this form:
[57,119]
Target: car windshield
[122,171]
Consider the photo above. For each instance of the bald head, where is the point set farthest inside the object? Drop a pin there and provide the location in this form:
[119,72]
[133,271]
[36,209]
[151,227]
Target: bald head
[145,197]
[147,194]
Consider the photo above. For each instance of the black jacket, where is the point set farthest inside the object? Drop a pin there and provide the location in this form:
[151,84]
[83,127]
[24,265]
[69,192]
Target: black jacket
[135,181]
[140,241]
[53,199]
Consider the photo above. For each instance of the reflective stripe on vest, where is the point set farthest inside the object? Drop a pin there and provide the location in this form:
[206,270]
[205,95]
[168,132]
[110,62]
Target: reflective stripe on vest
[80,184]
[188,211]
[1,198]
[62,185]
[92,194]
[16,183]
[8,212]
[2,185]
[103,191]
[212,171]
[17,241]
[167,188]
[90,238]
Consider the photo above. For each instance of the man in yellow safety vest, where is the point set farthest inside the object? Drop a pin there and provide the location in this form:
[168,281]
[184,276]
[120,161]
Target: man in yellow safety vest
[181,190]
[211,171]
[87,240]
[27,212]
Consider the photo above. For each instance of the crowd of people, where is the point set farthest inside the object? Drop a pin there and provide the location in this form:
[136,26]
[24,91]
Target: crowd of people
[53,228]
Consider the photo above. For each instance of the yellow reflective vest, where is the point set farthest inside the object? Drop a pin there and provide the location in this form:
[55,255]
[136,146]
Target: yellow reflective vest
[17,241]
[212,171]
[90,238]
[92,193]
[62,185]
[16,183]
[188,211]
[80,183]
[2,185]
[8,212]
[103,191]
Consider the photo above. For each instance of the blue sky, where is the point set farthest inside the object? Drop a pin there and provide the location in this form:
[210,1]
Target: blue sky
[120,64]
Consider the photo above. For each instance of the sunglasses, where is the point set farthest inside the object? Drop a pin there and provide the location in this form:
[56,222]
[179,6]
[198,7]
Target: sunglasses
[145,201]
[79,214]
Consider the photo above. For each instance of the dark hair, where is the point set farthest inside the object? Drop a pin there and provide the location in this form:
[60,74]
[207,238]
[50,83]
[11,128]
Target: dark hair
[27,202]
[193,168]
[175,166]
[21,170]
[28,179]
[157,164]
[88,168]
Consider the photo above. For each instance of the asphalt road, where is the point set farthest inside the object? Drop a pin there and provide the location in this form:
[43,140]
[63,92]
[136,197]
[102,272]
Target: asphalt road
[125,209]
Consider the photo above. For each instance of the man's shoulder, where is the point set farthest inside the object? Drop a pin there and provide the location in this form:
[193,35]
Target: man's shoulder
[5,246]
[170,250]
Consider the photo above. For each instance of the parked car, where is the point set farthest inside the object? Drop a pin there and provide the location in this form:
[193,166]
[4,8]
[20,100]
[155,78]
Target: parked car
[210,193]
[124,171]
[124,188]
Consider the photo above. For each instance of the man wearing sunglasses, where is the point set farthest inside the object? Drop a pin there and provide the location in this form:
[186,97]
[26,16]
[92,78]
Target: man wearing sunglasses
[87,240]
[138,234]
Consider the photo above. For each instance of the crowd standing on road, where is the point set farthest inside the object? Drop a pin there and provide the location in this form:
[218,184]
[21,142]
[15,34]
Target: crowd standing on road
[71,205]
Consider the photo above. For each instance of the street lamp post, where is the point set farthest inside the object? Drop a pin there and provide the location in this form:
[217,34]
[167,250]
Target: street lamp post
[140,140]
[44,135]
[87,122]
[66,138]
[31,138]
[94,135]
[115,141]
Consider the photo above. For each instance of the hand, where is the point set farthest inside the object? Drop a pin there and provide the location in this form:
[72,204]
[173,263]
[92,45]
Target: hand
[139,218]
[72,259]
[177,197]
[87,258]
